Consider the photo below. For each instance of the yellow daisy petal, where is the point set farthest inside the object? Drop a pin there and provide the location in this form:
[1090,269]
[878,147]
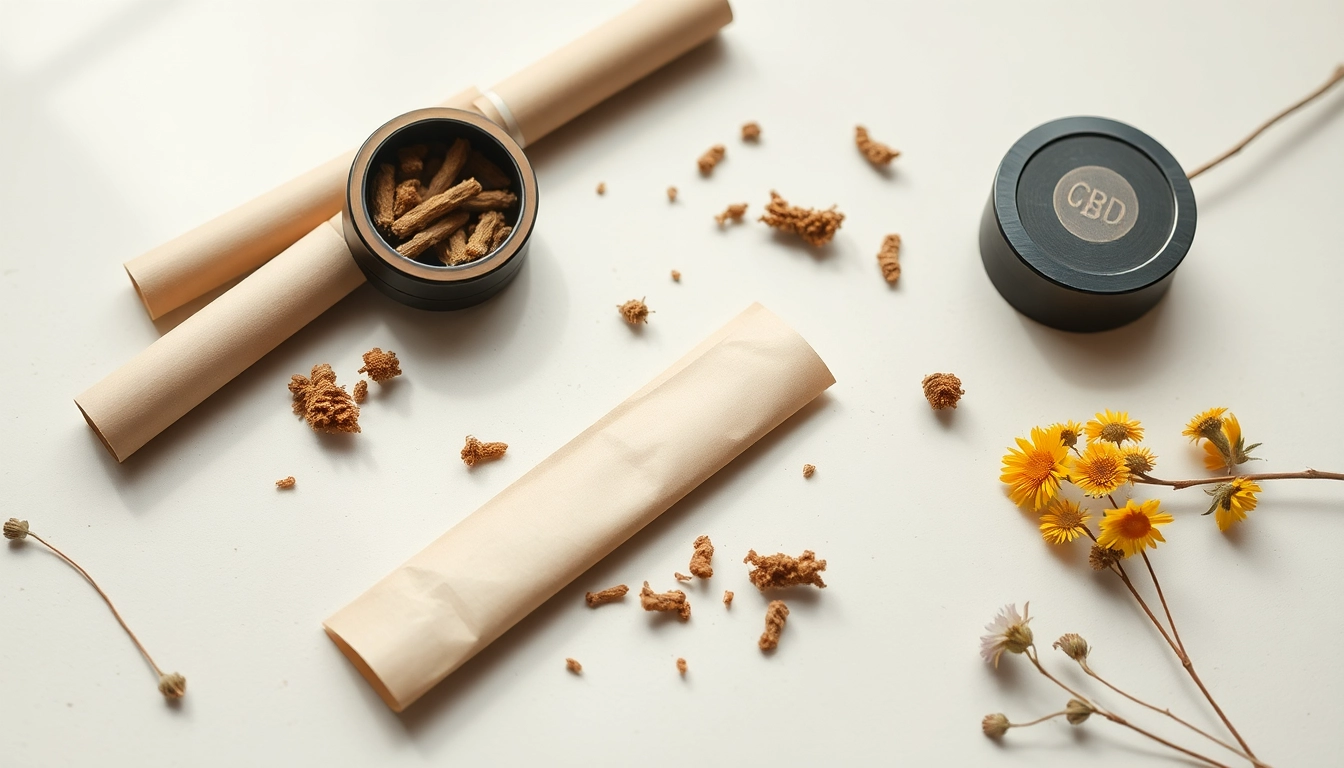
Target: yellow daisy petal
[1063,521]
[1100,470]
[1114,428]
[1133,528]
[1034,470]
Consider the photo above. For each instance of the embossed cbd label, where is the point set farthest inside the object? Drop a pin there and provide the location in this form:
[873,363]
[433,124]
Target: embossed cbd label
[1096,204]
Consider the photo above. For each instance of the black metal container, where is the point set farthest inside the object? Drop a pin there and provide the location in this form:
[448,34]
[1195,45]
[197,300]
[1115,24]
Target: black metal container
[1086,223]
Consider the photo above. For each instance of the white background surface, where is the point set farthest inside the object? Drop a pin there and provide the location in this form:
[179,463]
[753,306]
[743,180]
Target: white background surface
[123,124]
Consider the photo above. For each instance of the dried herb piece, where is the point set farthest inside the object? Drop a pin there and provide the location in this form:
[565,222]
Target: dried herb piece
[671,194]
[601,187]
[942,390]
[426,213]
[679,576]
[889,258]
[384,196]
[681,667]
[876,152]
[489,200]
[452,165]
[475,451]
[432,235]
[751,131]
[676,276]
[674,601]
[712,157]
[727,598]
[608,595]
[481,239]
[361,391]
[775,615]
[324,405]
[286,482]
[489,174]
[573,666]
[733,212]
[411,161]
[815,227]
[780,570]
[704,550]
[635,311]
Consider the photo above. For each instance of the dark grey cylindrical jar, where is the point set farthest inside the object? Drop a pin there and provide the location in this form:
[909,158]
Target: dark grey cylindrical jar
[1086,223]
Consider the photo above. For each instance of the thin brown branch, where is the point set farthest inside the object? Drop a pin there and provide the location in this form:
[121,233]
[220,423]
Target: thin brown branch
[1335,78]
[1176,485]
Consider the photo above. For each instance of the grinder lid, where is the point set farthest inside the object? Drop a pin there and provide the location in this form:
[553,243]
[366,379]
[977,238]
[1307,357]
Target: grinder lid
[1086,223]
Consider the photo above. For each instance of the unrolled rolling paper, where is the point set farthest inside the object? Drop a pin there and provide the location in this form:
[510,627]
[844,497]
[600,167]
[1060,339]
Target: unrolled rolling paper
[455,597]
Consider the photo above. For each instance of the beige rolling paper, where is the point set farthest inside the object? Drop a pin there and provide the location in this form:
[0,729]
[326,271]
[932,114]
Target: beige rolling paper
[243,239]
[186,365]
[455,597]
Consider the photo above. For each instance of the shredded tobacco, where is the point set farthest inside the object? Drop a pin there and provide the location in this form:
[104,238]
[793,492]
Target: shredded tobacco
[674,601]
[361,391]
[942,390]
[809,470]
[574,666]
[780,570]
[733,212]
[604,596]
[635,311]
[475,451]
[681,667]
[876,152]
[889,258]
[287,482]
[775,615]
[704,550]
[815,227]
[751,131]
[712,157]
[324,405]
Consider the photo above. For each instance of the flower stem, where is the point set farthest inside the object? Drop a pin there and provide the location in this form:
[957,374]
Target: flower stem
[1306,474]
[1038,720]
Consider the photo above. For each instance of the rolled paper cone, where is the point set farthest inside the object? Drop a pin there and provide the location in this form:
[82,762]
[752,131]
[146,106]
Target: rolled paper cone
[187,364]
[455,597]
[573,79]
[243,239]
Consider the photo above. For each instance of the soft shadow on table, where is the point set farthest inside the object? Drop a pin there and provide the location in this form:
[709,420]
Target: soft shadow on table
[425,720]
[1106,360]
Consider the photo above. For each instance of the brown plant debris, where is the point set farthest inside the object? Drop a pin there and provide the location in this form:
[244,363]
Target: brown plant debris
[733,212]
[475,451]
[449,168]
[433,235]
[679,576]
[876,152]
[704,550]
[380,365]
[728,598]
[489,174]
[604,596]
[426,213]
[712,157]
[384,196]
[361,391]
[889,258]
[751,131]
[601,187]
[676,276]
[285,482]
[574,666]
[489,200]
[780,570]
[411,161]
[405,197]
[815,227]
[635,311]
[681,667]
[324,405]
[942,390]
[674,601]
[456,251]
[481,239]
[671,194]
[776,613]
[809,470]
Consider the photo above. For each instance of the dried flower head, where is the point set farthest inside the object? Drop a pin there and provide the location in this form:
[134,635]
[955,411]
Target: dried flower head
[1034,470]
[1138,459]
[815,227]
[995,725]
[1207,425]
[1007,632]
[1063,521]
[380,365]
[172,686]
[942,390]
[1077,712]
[1073,646]
[876,152]
[16,529]
[1133,528]
[1231,501]
[1100,470]
[1231,451]
[1114,428]
[1103,558]
[1069,432]
[635,311]
[326,406]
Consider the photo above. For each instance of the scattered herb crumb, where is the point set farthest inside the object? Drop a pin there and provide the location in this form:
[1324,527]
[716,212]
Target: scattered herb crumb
[676,276]
[780,570]
[475,451]
[876,152]
[751,131]
[674,600]
[361,391]
[601,187]
[681,667]
[809,470]
[671,194]
[679,576]
[942,390]
[775,615]
[380,365]
[324,405]
[815,227]
[704,550]
[733,212]
[727,598]
[287,482]
[712,157]
[604,596]
[889,258]
[574,666]
[635,311]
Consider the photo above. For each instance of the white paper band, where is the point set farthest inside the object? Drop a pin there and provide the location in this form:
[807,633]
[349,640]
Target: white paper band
[510,124]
